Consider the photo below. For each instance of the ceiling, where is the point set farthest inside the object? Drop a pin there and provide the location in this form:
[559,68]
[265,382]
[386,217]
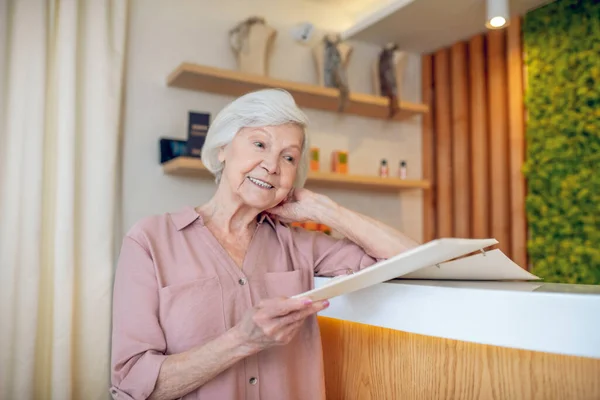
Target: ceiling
[423,26]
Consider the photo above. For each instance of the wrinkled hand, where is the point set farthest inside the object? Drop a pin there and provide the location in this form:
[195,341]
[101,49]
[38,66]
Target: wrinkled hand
[276,321]
[303,205]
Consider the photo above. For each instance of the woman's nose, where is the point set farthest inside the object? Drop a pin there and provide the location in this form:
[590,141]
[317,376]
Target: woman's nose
[270,165]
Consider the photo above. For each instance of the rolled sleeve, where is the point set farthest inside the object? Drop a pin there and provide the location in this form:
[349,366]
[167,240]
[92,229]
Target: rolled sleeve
[138,342]
[332,256]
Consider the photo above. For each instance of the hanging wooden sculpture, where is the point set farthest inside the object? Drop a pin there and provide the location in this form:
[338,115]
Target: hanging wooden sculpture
[331,56]
[335,73]
[388,84]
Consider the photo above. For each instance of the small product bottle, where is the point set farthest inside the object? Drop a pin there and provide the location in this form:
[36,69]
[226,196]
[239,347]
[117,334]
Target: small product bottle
[384,170]
[402,170]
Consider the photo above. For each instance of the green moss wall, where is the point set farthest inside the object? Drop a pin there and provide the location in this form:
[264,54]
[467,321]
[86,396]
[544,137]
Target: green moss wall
[562,58]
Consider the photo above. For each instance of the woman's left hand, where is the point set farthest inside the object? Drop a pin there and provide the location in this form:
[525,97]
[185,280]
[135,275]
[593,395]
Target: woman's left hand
[376,238]
[303,205]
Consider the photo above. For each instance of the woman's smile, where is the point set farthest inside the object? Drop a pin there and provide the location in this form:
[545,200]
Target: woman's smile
[260,183]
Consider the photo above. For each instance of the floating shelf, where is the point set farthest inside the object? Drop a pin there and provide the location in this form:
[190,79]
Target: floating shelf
[188,166]
[233,83]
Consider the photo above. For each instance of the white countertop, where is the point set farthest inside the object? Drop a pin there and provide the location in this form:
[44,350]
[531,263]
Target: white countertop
[554,318]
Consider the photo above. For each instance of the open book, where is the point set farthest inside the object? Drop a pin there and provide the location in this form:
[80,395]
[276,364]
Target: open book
[442,259]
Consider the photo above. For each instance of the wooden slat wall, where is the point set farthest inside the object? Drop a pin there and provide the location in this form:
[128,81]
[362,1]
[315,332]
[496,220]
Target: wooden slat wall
[429,222]
[499,185]
[460,141]
[516,123]
[443,137]
[479,140]
[476,139]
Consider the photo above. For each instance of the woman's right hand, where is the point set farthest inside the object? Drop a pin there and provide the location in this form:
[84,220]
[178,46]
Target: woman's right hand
[276,321]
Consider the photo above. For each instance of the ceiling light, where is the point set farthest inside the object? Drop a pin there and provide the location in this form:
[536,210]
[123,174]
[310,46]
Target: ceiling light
[497,14]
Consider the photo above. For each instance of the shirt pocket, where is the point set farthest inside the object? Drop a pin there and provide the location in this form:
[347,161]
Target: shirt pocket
[285,284]
[191,313]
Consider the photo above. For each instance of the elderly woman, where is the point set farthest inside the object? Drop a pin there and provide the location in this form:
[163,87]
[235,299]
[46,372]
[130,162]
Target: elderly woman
[202,306]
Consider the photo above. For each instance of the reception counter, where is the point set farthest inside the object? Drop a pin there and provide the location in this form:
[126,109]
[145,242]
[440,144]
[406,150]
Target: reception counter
[463,340]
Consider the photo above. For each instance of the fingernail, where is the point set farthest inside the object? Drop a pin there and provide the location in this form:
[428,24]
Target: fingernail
[325,303]
[307,302]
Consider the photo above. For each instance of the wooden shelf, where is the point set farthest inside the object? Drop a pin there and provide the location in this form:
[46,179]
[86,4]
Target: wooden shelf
[233,83]
[187,166]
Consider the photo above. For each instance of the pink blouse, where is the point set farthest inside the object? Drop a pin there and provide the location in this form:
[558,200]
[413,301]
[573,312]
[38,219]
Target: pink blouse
[176,288]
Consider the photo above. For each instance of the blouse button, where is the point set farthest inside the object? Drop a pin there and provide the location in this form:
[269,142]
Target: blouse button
[253,381]
[242,281]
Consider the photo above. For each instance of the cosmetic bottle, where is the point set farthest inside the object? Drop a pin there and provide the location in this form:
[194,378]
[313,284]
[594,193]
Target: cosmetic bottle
[384,170]
[402,170]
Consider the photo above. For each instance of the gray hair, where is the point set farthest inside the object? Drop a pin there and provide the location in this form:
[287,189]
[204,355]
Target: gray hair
[267,107]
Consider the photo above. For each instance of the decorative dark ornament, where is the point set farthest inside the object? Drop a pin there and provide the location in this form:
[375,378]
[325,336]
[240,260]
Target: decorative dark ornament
[388,84]
[334,71]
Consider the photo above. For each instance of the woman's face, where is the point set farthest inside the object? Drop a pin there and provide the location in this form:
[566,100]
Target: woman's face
[261,164]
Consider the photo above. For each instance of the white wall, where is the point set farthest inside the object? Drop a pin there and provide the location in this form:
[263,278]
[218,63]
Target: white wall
[165,33]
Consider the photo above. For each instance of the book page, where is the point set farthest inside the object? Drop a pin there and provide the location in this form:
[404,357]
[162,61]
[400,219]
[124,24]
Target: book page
[492,265]
[426,255]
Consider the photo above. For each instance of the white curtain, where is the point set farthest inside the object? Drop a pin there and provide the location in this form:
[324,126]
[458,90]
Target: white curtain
[62,78]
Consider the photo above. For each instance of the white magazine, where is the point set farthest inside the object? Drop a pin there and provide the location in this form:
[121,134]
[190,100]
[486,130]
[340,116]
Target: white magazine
[438,259]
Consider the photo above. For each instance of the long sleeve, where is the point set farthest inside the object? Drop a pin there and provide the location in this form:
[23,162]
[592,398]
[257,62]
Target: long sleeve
[138,342]
[331,256]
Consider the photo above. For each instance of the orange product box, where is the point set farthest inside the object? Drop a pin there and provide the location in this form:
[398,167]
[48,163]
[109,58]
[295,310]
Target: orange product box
[339,162]
[314,159]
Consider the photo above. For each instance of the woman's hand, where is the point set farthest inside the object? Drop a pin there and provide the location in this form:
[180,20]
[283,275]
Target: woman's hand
[303,205]
[276,321]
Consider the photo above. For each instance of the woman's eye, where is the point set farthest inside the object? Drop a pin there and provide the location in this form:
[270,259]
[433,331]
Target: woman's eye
[259,144]
[289,158]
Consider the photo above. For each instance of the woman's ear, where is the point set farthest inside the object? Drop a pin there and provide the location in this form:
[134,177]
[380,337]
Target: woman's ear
[221,155]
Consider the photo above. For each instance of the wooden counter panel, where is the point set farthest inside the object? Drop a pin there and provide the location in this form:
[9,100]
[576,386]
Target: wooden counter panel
[364,362]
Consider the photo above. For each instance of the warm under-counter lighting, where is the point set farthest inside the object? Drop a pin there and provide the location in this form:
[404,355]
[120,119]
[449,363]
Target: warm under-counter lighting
[497,14]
